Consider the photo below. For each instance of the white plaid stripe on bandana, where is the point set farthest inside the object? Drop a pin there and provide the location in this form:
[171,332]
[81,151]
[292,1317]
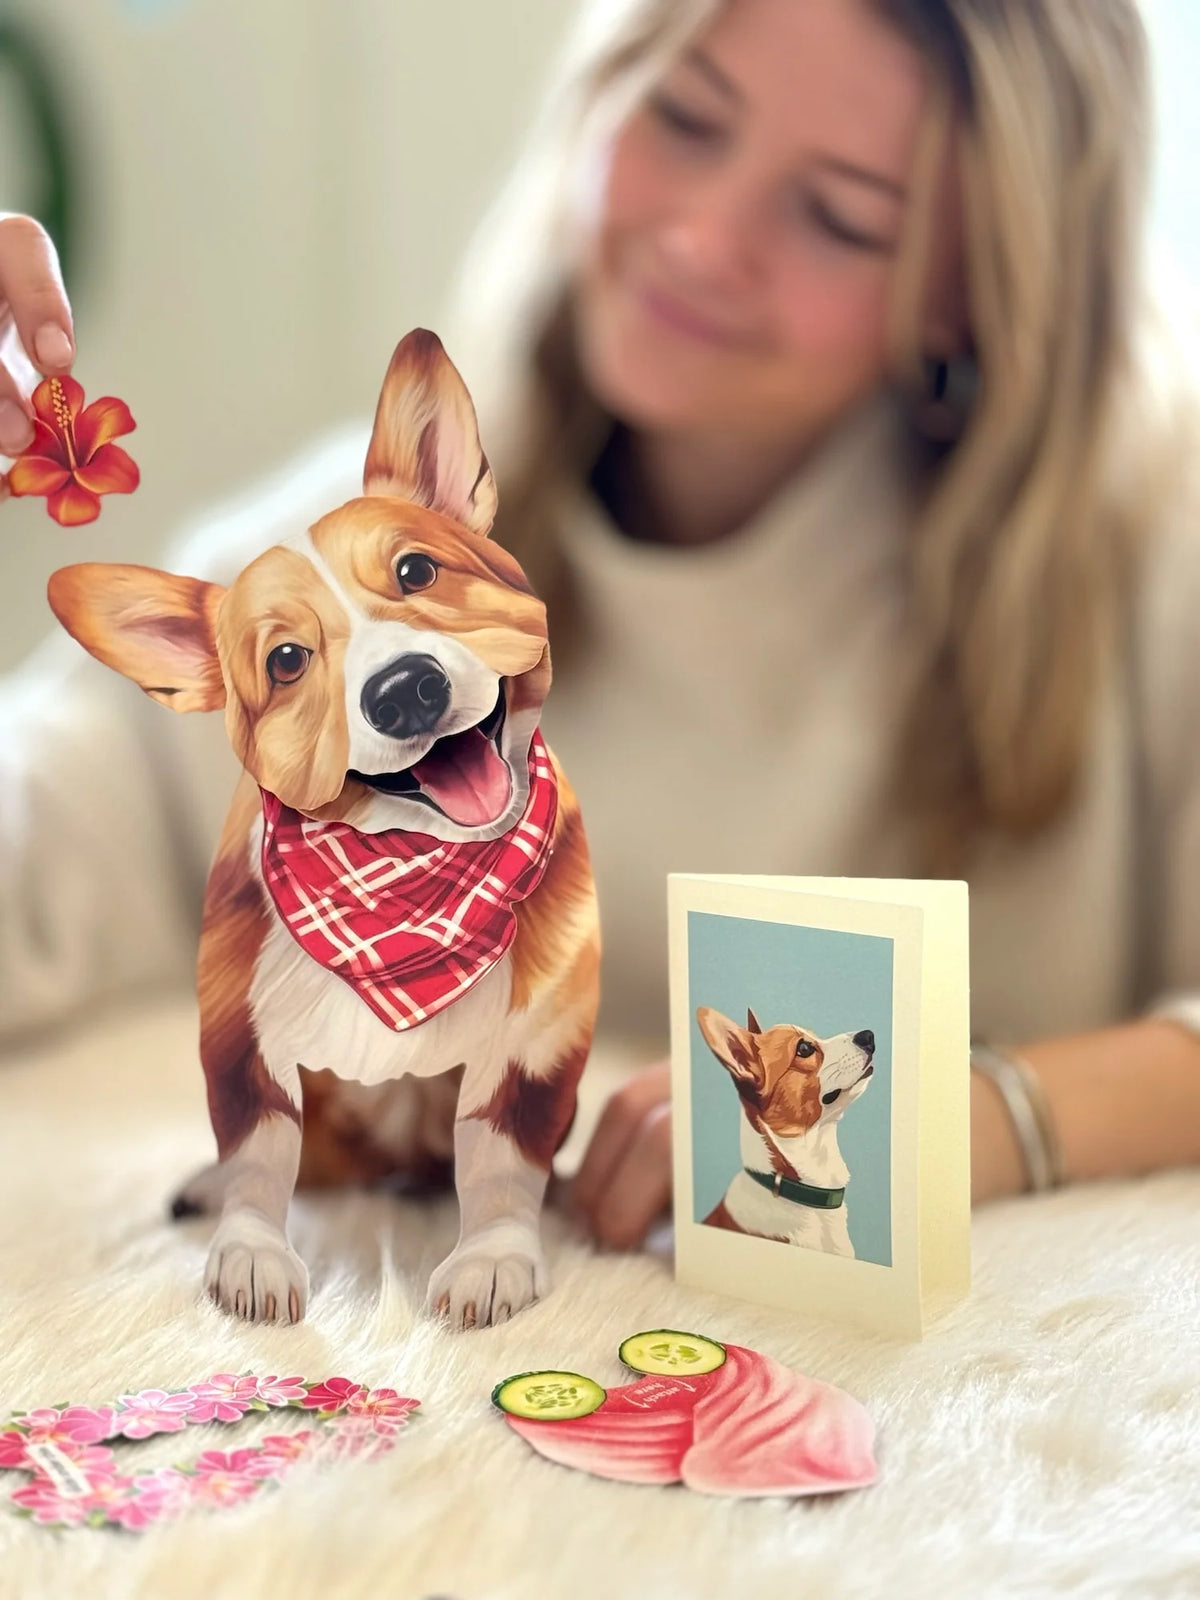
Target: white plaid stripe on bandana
[409,921]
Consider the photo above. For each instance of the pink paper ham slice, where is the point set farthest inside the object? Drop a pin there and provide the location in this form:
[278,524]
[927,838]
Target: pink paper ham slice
[751,1427]
[639,1435]
[763,1429]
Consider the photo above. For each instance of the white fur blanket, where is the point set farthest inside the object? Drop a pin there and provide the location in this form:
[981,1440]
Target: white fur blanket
[1044,1440]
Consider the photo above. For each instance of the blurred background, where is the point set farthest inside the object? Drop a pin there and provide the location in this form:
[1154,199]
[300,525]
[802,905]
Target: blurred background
[255,198]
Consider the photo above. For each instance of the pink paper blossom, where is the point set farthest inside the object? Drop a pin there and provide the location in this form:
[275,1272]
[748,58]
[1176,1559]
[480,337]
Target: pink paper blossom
[284,1448]
[217,1482]
[332,1395]
[224,1398]
[44,1503]
[250,1462]
[47,1503]
[156,1496]
[154,1411]
[77,1425]
[386,1410]
[12,1448]
[281,1391]
[140,1512]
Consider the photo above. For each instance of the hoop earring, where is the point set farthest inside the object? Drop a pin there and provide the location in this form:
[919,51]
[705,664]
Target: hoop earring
[950,391]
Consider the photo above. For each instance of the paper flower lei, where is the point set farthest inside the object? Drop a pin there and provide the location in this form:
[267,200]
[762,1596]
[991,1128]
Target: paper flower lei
[78,1482]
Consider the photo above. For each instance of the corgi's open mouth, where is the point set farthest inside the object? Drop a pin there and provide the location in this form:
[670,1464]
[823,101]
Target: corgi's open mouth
[464,776]
[836,1094]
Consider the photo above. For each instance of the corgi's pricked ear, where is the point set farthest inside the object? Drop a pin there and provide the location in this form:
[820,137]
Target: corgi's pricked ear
[425,445]
[154,627]
[733,1047]
[752,1022]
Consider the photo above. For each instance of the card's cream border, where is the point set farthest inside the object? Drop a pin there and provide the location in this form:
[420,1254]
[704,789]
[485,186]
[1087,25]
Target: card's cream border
[882,1299]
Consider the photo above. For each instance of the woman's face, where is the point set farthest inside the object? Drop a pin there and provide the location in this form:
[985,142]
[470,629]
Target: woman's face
[739,277]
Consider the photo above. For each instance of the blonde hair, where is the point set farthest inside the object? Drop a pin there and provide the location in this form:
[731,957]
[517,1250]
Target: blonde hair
[1033,521]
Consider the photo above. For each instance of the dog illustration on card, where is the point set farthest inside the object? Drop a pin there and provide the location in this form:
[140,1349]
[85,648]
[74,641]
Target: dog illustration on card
[794,1088]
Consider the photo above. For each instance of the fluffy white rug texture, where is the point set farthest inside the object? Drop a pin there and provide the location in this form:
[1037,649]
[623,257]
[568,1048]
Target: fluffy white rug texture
[1043,1440]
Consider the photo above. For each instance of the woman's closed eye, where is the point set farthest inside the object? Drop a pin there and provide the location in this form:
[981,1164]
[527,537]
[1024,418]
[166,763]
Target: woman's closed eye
[812,209]
[689,125]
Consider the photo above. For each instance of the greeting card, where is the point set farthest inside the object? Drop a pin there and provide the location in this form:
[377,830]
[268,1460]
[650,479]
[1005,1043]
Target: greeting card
[820,1043]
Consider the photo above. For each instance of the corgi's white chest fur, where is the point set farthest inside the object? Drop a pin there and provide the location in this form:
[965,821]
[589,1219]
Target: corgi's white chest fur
[305,1015]
[818,1161]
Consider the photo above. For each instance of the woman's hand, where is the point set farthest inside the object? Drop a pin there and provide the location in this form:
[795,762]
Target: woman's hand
[37,334]
[624,1182]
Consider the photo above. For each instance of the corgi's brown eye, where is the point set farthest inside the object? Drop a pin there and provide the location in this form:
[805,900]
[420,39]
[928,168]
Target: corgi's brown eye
[806,1048]
[287,662]
[415,572]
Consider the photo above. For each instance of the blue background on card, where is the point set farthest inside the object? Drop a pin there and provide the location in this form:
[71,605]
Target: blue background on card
[817,978]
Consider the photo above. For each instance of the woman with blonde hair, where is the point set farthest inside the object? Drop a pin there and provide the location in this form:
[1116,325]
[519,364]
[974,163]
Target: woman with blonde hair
[831,417]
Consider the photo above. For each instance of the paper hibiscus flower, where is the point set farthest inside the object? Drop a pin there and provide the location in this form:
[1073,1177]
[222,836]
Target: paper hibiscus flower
[72,459]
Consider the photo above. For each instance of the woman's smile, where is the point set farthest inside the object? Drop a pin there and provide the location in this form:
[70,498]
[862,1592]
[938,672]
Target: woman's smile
[678,315]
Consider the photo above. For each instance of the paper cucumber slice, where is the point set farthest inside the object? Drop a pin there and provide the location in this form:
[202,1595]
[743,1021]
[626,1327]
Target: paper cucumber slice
[667,1352]
[548,1396]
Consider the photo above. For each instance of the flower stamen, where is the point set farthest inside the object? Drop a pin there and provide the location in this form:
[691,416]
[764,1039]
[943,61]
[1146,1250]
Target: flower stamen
[62,415]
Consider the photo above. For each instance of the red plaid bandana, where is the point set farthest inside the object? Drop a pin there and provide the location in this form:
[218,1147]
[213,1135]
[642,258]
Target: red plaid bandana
[409,921]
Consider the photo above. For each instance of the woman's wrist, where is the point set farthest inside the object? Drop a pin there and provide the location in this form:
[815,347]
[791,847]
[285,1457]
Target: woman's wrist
[1030,1115]
[997,1166]
[1125,1100]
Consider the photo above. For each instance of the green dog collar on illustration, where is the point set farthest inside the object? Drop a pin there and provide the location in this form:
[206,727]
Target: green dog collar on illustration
[804,1194]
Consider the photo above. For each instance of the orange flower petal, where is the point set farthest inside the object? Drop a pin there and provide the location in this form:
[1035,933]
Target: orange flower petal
[36,475]
[43,400]
[103,420]
[73,505]
[110,471]
[47,444]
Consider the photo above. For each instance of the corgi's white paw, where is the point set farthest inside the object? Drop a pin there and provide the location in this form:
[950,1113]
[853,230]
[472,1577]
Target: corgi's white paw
[489,1277]
[253,1272]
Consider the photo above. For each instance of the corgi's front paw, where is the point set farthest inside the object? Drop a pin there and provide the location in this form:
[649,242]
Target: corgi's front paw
[254,1273]
[489,1277]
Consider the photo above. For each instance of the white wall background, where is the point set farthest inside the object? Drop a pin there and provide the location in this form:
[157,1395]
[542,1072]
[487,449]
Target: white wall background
[1175,37]
[277,189]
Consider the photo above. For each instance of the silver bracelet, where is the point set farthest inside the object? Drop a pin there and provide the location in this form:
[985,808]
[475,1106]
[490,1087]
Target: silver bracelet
[1029,1108]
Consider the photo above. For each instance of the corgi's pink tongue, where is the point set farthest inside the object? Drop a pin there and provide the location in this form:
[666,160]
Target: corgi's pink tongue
[467,778]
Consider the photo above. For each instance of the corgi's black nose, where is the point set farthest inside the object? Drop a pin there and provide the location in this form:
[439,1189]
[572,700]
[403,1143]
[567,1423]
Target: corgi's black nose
[407,697]
[865,1040]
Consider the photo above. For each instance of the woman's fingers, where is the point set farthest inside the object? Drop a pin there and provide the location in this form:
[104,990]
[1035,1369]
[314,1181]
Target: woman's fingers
[37,331]
[31,284]
[639,1190]
[18,379]
[616,1131]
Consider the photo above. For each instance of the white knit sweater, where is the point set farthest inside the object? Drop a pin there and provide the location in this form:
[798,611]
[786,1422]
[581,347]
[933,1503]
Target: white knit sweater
[734,716]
